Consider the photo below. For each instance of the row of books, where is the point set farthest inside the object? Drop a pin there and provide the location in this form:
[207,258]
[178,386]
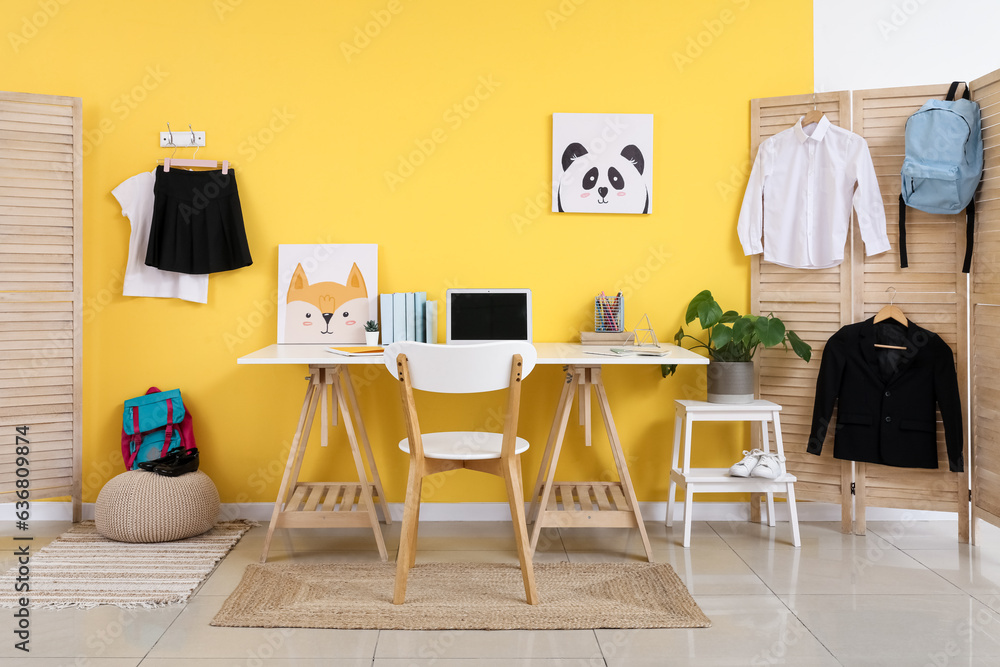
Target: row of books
[407,316]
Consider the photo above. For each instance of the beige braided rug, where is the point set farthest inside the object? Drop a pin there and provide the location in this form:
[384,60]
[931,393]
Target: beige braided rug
[461,596]
[80,568]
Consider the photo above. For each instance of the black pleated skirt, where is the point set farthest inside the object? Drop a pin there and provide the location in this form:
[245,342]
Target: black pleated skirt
[197,224]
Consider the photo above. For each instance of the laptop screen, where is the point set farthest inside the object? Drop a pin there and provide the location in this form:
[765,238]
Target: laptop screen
[478,315]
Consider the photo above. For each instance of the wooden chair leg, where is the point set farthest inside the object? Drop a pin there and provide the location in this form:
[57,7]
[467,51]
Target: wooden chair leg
[515,496]
[416,530]
[408,532]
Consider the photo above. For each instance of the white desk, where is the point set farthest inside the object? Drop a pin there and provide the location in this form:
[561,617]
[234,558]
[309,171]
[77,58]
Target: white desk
[554,504]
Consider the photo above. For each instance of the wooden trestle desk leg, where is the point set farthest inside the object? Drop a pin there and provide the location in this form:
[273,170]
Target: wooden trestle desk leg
[366,492]
[306,415]
[325,385]
[322,388]
[583,379]
[564,398]
[363,435]
[616,448]
[551,456]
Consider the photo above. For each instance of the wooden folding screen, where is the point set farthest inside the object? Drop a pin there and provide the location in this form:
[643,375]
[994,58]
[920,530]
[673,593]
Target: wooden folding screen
[814,304]
[931,291]
[817,303]
[986,315]
[41,294]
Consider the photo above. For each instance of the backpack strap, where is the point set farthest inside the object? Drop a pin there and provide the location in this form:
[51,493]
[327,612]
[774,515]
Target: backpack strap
[902,233]
[131,451]
[954,88]
[168,435]
[970,224]
[970,220]
[136,433]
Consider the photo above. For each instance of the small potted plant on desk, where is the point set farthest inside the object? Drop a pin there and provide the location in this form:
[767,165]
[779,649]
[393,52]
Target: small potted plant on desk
[371,332]
[732,342]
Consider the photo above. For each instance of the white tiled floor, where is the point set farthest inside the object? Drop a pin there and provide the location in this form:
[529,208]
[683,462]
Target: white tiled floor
[904,594]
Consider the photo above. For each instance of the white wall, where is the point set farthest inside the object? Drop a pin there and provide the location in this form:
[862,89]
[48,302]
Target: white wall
[863,44]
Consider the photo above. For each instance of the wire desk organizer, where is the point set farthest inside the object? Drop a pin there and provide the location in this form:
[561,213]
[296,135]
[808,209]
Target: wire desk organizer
[609,313]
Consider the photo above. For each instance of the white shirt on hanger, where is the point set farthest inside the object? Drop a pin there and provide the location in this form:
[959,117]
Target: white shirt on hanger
[136,198]
[800,194]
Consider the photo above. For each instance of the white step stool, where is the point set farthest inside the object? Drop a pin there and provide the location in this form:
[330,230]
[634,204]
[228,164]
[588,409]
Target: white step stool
[718,480]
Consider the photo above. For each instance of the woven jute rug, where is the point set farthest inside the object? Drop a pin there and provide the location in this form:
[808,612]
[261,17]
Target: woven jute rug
[461,596]
[80,568]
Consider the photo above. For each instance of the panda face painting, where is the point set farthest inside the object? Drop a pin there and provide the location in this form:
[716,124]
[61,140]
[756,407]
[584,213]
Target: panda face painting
[610,183]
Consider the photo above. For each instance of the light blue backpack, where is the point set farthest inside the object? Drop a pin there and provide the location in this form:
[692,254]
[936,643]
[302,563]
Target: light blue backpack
[943,163]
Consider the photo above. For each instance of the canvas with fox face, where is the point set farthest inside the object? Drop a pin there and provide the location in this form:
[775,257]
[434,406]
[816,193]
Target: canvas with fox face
[326,292]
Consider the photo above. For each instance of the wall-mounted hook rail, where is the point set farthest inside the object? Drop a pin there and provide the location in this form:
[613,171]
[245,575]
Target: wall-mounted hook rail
[181,138]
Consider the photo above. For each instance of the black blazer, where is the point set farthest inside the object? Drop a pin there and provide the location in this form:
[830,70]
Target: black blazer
[886,398]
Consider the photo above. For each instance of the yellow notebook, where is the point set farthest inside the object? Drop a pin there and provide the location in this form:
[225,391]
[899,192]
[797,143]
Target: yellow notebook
[358,351]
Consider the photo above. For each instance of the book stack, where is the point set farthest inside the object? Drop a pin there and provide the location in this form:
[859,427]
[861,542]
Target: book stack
[407,316]
[606,337]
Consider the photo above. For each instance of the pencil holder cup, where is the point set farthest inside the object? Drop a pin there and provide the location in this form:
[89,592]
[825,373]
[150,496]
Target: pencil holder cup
[609,314]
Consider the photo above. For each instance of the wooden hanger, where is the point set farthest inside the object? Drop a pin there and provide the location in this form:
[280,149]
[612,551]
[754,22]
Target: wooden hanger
[813,116]
[185,162]
[191,162]
[891,312]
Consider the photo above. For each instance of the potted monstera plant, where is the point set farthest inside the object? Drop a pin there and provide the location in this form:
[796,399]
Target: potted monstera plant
[732,341]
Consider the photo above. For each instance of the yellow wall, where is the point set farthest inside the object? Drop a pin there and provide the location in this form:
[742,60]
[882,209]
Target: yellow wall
[314,115]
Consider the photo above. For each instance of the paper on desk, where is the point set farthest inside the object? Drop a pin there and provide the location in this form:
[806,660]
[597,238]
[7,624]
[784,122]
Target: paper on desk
[649,351]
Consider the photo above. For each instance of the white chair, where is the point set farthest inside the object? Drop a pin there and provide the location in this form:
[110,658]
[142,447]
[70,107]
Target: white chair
[461,369]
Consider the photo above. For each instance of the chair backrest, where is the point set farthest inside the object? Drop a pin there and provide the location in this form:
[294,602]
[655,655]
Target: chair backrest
[460,369]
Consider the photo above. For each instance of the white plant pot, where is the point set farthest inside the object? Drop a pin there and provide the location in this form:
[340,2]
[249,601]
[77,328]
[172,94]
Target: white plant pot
[371,338]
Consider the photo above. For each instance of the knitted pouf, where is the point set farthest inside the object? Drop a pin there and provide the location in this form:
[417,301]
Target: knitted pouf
[141,506]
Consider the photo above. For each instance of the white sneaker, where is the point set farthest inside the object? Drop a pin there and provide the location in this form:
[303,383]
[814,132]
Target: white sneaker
[744,467]
[769,466]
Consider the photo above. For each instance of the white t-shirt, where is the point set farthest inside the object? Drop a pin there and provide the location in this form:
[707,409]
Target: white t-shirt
[136,198]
